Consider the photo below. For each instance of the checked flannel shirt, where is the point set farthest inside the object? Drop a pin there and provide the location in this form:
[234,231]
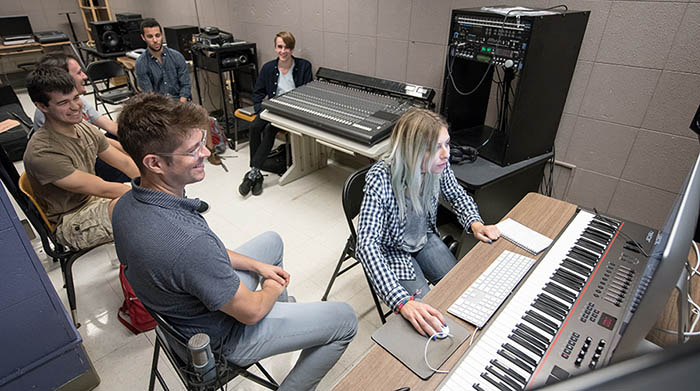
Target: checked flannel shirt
[380,229]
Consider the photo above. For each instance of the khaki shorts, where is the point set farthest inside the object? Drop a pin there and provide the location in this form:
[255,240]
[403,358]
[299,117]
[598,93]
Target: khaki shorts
[86,227]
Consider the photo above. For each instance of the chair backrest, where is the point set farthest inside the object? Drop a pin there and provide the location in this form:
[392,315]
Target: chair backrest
[353,193]
[20,189]
[26,188]
[104,69]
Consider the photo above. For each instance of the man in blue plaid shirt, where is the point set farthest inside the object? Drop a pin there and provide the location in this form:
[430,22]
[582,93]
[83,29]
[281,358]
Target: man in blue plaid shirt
[397,238]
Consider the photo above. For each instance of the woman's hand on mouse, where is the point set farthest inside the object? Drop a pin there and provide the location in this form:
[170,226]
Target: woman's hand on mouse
[425,319]
[485,233]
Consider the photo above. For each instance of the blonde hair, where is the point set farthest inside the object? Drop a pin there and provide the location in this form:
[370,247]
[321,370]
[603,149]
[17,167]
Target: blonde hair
[287,38]
[415,136]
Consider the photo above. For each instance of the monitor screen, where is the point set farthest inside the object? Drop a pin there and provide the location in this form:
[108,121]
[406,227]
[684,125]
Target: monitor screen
[12,26]
[666,261]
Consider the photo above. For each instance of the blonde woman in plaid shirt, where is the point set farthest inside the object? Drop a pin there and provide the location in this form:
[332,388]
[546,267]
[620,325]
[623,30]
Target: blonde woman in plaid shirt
[397,239]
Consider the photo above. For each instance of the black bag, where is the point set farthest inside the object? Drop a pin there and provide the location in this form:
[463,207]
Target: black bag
[276,161]
[13,140]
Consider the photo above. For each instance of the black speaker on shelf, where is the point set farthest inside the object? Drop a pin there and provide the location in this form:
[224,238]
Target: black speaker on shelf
[131,30]
[180,39]
[108,36]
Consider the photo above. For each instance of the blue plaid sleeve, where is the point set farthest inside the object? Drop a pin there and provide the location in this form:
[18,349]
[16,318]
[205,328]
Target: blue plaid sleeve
[371,227]
[463,204]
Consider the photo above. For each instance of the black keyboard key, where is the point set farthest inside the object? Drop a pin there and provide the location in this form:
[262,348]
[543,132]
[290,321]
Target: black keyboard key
[603,237]
[503,378]
[507,346]
[571,276]
[477,387]
[558,305]
[605,227]
[510,357]
[576,267]
[560,292]
[534,333]
[591,245]
[543,319]
[495,382]
[548,310]
[525,344]
[522,333]
[513,374]
[585,256]
[566,282]
[540,325]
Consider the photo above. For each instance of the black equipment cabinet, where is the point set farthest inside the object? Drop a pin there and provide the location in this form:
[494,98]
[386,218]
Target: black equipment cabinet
[180,38]
[240,61]
[495,189]
[531,57]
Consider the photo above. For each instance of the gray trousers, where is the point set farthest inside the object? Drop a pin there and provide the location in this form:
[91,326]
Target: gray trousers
[321,330]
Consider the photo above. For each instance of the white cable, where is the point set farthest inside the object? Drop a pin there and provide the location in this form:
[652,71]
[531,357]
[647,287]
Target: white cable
[694,271]
[425,351]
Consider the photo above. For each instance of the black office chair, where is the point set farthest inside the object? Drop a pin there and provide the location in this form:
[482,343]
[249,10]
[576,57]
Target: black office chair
[100,73]
[21,191]
[353,193]
[174,347]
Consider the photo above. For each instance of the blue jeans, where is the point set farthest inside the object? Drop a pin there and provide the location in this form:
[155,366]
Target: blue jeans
[431,263]
[321,330]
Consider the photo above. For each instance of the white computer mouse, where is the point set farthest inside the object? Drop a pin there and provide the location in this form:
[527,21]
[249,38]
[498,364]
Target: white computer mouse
[444,332]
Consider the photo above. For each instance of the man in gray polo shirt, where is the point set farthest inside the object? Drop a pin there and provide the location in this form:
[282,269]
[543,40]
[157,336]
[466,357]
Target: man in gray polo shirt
[180,269]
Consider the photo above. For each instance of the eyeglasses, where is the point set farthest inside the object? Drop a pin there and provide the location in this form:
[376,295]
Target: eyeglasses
[194,153]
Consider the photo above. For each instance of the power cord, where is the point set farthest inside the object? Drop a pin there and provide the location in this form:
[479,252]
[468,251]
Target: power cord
[629,238]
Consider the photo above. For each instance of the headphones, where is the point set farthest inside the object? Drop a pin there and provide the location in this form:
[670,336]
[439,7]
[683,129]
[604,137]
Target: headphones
[460,154]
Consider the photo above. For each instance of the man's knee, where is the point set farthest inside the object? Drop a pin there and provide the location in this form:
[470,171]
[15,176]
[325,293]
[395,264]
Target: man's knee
[347,320]
[274,242]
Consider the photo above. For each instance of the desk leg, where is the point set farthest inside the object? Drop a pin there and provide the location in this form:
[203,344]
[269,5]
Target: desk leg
[307,157]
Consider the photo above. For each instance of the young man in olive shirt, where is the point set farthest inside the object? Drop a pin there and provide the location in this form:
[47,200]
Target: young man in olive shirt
[60,163]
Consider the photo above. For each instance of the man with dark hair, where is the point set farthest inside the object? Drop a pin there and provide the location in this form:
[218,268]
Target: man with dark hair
[71,64]
[160,68]
[180,269]
[60,163]
[278,76]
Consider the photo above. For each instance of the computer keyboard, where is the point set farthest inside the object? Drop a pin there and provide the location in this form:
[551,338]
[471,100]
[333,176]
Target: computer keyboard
[481,300]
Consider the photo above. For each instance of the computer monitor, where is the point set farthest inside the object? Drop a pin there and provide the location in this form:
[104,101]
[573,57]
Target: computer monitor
[667,259]
[15,26]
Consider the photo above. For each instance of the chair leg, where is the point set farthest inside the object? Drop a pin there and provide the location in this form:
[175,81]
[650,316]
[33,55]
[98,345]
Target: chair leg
[154,367]
[67,269]
[342,259]
[377,303]
[269,384]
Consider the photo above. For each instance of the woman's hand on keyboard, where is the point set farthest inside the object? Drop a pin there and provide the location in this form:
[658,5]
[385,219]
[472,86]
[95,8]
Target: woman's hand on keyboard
[485,233]
[424,318]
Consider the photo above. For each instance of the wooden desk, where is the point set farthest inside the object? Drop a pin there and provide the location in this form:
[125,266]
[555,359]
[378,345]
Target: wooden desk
[7,51]
[378,370]
[310,146]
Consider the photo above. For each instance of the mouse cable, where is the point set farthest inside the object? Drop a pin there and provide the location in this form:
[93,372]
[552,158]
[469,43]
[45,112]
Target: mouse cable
[434,336]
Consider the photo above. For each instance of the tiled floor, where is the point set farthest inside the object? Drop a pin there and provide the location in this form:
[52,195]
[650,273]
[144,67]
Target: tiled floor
[307,214]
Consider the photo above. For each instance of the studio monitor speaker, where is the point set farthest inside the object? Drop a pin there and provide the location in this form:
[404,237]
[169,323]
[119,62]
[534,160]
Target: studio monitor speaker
[108,36]
[180,39]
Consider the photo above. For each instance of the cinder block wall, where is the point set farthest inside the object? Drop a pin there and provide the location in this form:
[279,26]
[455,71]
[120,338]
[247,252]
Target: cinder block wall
[625,123]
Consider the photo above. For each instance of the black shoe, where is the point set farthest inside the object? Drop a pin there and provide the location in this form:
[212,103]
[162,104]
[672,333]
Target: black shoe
[257,186]
[246,185]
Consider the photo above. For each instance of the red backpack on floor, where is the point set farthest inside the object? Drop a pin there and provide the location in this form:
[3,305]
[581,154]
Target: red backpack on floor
[132,313]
